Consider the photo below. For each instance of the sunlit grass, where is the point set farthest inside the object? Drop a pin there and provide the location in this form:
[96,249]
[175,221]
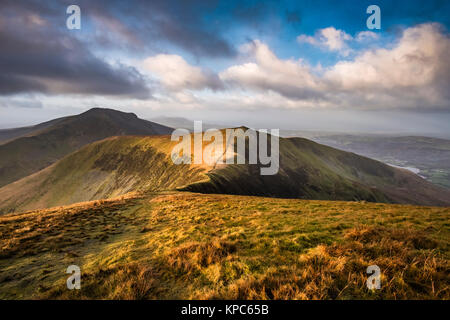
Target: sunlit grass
[195,246]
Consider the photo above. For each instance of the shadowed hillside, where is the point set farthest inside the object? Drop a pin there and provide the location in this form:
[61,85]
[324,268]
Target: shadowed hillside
[34,148]
[308,170]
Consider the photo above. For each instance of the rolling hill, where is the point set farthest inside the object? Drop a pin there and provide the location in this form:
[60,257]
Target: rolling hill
[119,165]
[27,150]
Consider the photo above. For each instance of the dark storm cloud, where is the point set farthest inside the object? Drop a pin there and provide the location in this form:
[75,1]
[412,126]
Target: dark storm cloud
[199,27]
[36,56]
[190,25]
[40,55]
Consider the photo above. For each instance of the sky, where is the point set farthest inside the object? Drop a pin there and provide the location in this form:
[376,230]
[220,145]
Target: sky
[311,65]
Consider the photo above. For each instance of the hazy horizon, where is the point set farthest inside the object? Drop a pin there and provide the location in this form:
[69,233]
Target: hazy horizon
[436,126]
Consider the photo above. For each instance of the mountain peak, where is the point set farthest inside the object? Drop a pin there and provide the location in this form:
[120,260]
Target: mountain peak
[67,134]
[107,111]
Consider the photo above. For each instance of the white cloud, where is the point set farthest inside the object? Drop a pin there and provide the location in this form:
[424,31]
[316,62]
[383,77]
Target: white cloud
[335,39]
[413,73]
[329,38]
[177,75]
[266,72]
[308,39]
[366,35]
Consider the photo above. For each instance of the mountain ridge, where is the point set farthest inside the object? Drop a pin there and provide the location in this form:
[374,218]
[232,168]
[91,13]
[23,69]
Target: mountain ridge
[48,142]
[118,165]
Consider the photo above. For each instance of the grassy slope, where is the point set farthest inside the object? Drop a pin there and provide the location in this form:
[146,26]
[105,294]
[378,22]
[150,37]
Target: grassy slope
[46,143]
[185,245]
[104,169]
[308,170]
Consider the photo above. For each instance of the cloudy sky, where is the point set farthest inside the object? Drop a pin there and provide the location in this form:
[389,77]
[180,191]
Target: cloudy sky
[276,64]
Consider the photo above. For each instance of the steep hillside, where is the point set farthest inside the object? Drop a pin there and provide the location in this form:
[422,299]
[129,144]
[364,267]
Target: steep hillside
[182,245]
[44,144]
[308,170]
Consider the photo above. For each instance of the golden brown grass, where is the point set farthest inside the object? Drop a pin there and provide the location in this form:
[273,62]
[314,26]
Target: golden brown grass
[61,228]
[194,246]
[193,257]
[337,271]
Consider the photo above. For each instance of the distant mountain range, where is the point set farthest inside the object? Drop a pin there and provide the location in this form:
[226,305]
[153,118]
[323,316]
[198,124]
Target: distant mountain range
[119,165]
[183,123]
[429,157]
[24,151]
